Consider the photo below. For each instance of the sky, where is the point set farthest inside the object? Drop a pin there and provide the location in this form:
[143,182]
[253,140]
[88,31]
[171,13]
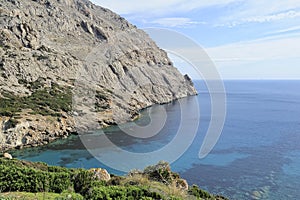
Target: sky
[245,39]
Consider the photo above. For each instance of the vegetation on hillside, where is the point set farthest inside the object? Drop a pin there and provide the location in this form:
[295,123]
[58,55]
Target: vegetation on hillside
[43,100]
[28,180]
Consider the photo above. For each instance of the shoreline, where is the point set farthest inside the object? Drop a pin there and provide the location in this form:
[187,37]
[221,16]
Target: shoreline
[38,130]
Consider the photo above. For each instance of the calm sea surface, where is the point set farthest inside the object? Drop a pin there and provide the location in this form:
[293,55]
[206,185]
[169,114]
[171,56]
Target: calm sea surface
[256,157]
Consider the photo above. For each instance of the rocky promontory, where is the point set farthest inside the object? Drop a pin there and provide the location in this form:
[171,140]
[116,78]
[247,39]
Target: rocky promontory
[54,50]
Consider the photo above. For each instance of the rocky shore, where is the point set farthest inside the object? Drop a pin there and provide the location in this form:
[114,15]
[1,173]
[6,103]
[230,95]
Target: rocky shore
[34,130]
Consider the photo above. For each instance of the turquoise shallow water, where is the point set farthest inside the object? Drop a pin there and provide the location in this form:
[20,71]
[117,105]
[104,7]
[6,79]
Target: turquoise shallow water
[257,156]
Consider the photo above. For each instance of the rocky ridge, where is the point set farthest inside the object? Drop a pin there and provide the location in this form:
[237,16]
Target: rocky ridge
[61,60]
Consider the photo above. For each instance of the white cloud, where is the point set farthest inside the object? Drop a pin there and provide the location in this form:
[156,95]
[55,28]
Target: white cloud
[266,18]
[134,6]
[275,17]
[238,12]
[260,11]
[175,22]
[263,58]
[157,7]
[286,30]
[257,50]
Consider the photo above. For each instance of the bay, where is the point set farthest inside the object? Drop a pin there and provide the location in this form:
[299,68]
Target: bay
[256,157]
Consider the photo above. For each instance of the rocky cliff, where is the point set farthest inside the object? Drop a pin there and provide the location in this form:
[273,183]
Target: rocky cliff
[61,59]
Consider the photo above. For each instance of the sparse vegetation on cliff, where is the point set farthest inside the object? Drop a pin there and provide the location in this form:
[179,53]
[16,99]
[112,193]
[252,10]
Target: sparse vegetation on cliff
[43,101]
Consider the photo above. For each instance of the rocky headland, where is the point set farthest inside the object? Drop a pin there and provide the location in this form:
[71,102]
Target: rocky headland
[53,51]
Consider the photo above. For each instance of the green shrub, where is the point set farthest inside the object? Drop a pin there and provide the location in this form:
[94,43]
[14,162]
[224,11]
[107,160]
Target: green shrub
[44,101]
[59,169]
[197,192]
[83,180]
[59,181]
[23,178]
[161,172]
[122,193]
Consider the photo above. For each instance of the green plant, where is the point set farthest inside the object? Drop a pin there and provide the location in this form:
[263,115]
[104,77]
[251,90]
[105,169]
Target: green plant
[18,177]
[83,180]
[40,179]
[122,193]
[197,192]
[43,101]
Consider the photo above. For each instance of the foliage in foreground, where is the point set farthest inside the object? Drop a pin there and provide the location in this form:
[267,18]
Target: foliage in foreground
[23,180]
[42,195]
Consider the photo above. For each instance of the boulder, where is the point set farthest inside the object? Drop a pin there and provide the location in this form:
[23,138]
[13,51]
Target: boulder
[100,174]
[182,184]
[7,155]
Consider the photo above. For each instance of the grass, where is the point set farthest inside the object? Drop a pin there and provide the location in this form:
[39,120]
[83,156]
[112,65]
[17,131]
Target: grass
[39,195]
[168,191]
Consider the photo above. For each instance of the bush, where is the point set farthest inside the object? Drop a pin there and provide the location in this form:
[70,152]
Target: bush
[197,192]
[44,101]
[83,181]
[161,172]
[25,176]
[22,178]
[59,182]
[121,193]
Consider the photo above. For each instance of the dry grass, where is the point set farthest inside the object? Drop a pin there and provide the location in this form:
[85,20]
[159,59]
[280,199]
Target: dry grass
[166,190]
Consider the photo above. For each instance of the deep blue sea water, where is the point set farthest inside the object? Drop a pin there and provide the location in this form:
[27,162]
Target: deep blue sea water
[256,157]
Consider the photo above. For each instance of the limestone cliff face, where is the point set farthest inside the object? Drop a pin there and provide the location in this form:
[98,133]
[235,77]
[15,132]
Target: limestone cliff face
[50,49]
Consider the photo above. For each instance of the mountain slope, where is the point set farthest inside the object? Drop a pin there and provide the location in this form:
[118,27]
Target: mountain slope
[63,59]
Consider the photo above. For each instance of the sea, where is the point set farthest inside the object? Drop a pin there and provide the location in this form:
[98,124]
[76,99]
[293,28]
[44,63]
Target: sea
[257,155]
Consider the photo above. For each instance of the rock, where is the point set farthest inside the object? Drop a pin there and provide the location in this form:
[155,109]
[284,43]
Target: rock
[7,155]
[182,184]
[69,130]
[100,174]
[256,195]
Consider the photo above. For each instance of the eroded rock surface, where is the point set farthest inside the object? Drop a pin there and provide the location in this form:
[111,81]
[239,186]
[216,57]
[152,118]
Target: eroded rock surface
[48,47]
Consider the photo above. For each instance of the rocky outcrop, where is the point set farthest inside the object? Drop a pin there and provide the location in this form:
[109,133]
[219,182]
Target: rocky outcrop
[52,47]
[7,155]
[100,174]
[34,130]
